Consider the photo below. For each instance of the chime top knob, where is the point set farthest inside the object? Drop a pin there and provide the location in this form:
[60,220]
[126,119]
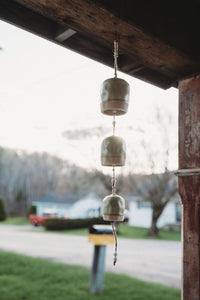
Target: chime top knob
[114,96]
[113,208]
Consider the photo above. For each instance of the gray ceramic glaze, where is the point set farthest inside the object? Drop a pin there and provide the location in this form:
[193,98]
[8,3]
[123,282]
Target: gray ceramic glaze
[113,151]
[114,96]
[113,208]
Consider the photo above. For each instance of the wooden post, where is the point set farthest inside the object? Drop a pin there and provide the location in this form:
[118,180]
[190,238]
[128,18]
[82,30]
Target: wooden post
[97,274]
[189,186]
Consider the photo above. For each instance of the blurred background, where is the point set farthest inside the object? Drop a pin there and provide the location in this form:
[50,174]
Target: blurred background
[51,130]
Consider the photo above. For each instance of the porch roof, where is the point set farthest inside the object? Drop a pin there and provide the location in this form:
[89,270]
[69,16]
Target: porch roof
[159,40]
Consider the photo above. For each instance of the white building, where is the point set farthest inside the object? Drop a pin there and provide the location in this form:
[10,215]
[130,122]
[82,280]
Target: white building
[52,204]
[88,206]
[140,212]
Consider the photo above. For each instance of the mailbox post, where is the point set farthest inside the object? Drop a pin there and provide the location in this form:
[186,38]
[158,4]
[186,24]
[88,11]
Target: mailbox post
[100,236]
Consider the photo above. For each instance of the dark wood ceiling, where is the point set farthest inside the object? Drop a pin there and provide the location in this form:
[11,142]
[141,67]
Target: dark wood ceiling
[158,40]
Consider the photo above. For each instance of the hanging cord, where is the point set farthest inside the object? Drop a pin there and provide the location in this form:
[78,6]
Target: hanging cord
[112,223]
[113,181]
[115,253]
[116,48]
[114,177]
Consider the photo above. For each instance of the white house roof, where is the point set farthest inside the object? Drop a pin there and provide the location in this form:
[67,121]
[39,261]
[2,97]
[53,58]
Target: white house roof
[51,199]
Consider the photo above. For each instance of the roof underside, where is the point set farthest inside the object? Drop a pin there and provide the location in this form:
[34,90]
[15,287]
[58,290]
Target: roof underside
[158,40]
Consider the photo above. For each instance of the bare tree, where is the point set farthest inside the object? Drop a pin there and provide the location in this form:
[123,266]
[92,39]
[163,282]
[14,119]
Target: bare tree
[158,187]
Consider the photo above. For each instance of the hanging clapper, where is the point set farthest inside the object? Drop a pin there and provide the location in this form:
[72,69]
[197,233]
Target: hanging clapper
[115,236]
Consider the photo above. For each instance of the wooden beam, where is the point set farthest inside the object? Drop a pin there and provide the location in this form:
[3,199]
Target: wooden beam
[83,45]
[133,68]
[189,186]
[90,18]
[27,19]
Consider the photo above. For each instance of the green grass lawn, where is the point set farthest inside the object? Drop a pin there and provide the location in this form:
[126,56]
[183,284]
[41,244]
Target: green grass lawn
[16,221]
[126,231]
[25,278]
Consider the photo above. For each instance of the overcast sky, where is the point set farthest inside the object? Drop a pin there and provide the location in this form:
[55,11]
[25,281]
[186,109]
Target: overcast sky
[50,101]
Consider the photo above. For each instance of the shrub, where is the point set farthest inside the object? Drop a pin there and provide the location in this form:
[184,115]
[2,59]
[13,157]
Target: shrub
[3,211]
[67,224]
[31,211]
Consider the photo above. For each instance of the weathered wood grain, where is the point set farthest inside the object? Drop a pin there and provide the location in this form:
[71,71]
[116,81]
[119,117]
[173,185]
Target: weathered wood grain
[189,186]
[90,18]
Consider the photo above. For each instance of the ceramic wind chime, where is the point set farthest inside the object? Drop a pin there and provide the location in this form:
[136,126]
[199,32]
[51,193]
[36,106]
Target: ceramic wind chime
[114,102]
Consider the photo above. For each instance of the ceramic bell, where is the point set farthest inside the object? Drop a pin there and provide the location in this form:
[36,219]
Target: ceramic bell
[114,96]
[113,151]
[113,208]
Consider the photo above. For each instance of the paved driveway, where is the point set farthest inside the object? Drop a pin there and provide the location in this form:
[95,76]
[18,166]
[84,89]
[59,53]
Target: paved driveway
[155,261]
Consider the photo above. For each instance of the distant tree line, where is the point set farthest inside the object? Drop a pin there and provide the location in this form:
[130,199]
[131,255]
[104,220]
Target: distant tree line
[25,178]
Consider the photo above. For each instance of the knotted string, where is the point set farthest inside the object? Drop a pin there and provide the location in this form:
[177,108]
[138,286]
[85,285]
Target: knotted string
[115,236]
[115,57]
